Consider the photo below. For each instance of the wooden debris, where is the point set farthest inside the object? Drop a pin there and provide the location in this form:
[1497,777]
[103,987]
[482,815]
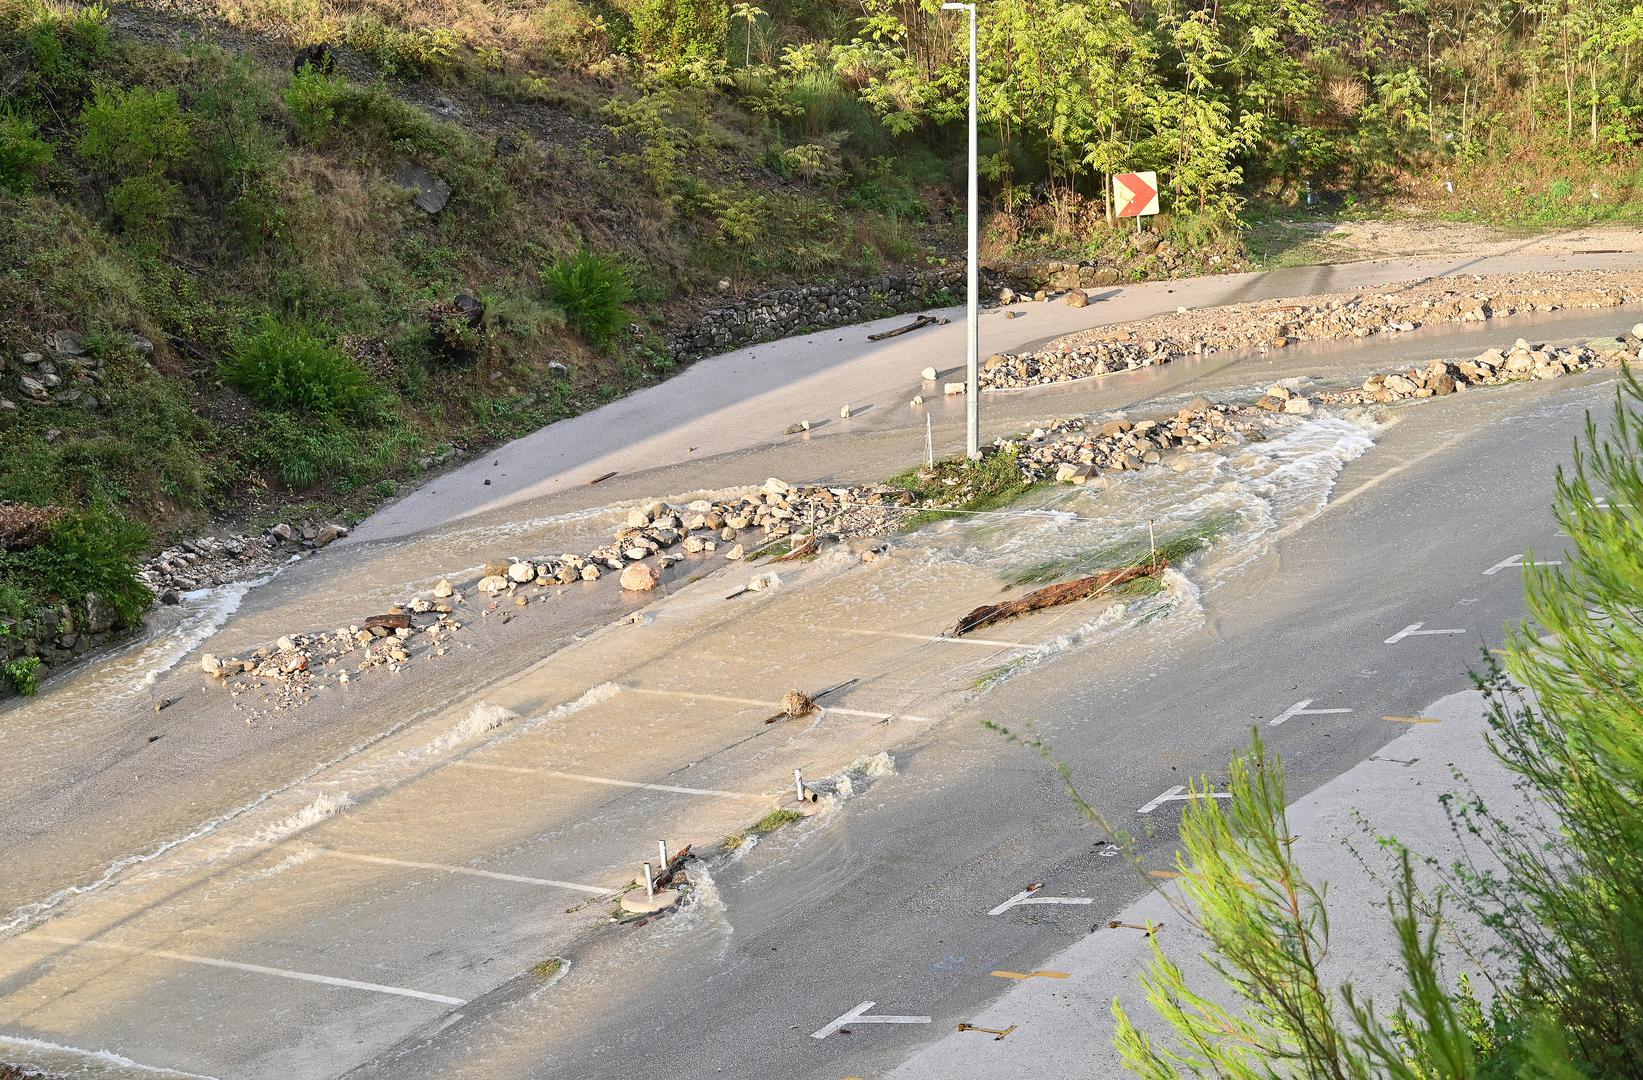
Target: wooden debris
[394,620]
[1066,592]
[917,324]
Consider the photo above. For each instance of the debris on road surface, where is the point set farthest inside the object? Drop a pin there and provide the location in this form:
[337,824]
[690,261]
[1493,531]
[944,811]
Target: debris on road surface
[797,704]
[1389,309]
[1520,363]
[917,324]
[1067,592]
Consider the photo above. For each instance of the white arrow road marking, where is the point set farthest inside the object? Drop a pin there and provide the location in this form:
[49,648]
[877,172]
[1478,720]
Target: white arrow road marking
[1179,793]
[1026,896]
[1414,630]
[255,969]
[1517,560]
[858,1015]
[1300,709]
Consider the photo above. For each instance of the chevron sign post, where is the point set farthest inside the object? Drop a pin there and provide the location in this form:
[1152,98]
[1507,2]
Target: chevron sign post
[1135,194]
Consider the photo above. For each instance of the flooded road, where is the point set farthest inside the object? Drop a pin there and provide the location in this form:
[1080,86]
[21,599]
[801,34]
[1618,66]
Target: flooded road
[416,847]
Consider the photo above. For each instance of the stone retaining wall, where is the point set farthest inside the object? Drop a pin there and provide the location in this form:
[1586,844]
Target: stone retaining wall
[782,313]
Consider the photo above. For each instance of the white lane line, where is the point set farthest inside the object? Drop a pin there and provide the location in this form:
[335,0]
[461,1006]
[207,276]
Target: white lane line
[1300,709]
[774,706]
[993,642]
[254,969]
[1517,560]
[1027,896]
[471,871]
[1179,793]
[858,1015]
[609,782]
[1414,630]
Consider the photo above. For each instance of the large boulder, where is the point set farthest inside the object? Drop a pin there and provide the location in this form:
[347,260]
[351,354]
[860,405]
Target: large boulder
[640,577]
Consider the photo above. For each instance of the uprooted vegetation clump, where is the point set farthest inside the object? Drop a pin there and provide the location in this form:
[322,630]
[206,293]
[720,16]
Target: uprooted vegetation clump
[779,818]
[955,487]
[1139,551]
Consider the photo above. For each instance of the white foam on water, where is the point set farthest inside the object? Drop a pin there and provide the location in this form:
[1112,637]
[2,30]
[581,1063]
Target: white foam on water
[481,720]
[325,806]
[69,1061]
[1256,493]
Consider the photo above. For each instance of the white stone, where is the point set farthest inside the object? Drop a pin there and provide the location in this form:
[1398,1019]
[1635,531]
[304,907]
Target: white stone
[928,374]
[522,572]
[953,388]
[735,553]
[443,589]
[640,578]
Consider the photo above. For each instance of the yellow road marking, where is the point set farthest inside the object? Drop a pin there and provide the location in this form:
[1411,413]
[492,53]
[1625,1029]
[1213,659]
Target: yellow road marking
[1032,974]
[1165,873]
[1412,719]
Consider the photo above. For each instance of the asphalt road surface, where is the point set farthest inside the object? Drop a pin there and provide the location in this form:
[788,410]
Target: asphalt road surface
[386,916]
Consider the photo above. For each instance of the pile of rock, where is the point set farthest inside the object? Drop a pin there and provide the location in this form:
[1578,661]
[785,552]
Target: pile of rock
[207,561]
[64,374]
[1079,451]
[294,665]
[662,534]
[653,538]
[1269,325]
[1521,362]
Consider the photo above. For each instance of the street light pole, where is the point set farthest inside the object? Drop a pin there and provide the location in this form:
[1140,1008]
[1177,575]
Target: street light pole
[972,379]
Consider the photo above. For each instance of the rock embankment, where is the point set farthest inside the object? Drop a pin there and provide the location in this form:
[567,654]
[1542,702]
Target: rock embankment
[1327,317]
[1521,363]
[205,562]
[783,312]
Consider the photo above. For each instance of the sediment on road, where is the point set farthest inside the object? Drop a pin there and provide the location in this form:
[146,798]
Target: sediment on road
[1276,324]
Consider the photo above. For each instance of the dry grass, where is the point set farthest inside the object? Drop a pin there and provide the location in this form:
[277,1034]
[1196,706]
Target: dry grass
[25,526]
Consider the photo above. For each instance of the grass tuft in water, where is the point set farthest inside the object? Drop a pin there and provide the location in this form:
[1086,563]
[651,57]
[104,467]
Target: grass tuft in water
[1127,553]
[956,485]
[548,968]
[776,819]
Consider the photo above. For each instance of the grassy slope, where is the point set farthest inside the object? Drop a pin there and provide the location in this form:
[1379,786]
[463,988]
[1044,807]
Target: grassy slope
[277,207]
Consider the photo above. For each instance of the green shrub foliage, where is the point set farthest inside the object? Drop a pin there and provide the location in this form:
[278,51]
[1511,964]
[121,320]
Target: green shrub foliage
[288,367]
[593,291]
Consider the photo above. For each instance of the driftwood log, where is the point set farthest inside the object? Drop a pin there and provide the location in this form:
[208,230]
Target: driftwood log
[1066,592]
[917,324]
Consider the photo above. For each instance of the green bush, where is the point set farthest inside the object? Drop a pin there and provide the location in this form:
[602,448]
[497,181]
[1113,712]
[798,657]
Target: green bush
[23,155]
[286,367]
[593,291]
[135,132]
[312,98]
[23,674]
[92,551]
[133,137]
[670,32]
[62,49]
